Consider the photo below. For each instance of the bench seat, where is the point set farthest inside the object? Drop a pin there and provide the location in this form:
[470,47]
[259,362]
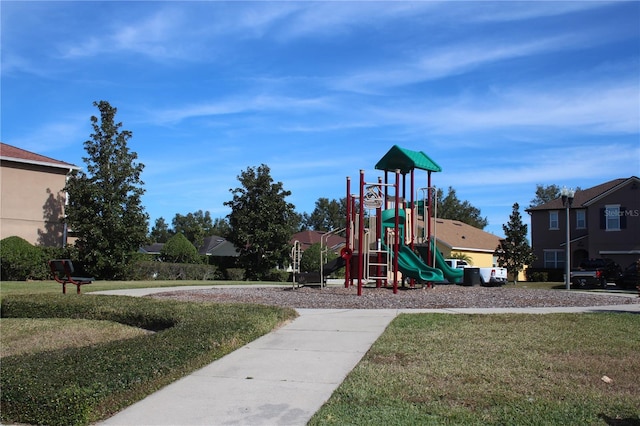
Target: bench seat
[62,270]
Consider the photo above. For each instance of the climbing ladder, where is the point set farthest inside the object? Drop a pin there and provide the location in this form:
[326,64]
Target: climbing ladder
[296,256]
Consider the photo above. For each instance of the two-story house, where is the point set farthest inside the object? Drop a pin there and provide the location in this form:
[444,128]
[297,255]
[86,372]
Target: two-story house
[32,196]
[604,222]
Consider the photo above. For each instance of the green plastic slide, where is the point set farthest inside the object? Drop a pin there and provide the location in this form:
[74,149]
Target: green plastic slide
[413,267]
[409,263]
[453,275]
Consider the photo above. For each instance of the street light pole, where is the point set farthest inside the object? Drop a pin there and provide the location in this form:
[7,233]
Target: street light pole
[567,201]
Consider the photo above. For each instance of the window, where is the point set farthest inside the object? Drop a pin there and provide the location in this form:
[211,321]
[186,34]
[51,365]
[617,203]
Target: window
[612,217]
[554,259]
[581,219]
[553,220]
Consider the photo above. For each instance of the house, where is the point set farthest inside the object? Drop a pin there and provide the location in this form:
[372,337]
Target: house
[218,246]
[455,238]
[308,238]
[604,223]
[32,195]
[211,246]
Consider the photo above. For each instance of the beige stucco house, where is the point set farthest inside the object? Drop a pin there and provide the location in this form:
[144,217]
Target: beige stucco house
[32,199]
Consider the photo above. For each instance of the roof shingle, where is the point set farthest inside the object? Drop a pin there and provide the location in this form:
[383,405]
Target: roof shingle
[583,197]
[12,153]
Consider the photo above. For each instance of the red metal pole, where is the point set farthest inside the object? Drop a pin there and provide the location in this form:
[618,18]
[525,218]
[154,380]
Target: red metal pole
[379,238]
[348,242]
[413,217]
[397,232]
[361,235]
[427,219]
[413,209]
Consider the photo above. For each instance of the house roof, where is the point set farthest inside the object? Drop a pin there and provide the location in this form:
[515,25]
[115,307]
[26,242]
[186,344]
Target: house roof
[584,198]
[19,155]
[406,160]
[212,246]
[307,238]
[152,248]
[218,246]
[461,236]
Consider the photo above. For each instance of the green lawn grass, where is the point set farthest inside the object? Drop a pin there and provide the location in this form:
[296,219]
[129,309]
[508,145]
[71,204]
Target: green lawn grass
[495,369]
[21,336]
[441,369]
[52,287]
[71,384]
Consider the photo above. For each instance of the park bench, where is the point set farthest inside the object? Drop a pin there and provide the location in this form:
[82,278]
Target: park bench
[62,270]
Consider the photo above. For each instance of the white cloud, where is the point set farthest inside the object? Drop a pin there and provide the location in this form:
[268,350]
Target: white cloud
[53,136]
[592,108]
[572,163]
[237,104]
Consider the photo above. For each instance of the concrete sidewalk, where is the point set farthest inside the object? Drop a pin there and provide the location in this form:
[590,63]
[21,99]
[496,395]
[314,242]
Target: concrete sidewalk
[284,377]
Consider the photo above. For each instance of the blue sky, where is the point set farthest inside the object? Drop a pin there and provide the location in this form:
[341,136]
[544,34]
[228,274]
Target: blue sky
[502,95]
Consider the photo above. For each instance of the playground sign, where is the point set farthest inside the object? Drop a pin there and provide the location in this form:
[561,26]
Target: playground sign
[373,197]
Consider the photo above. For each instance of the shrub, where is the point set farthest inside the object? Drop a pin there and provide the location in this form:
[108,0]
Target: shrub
[78,386]
[544,275]
[20,260]
[277,275]
[235,274]
[310,261]
[179,250]
[149,270]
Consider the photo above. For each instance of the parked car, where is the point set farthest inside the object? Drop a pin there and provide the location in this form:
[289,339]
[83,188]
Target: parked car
[595,273]
[629,277]
[488,276]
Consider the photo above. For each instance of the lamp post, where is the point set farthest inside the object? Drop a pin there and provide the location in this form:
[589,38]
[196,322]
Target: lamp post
[567,201]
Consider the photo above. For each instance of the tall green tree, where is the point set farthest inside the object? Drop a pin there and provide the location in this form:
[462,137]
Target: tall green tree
[262,221]
[514,251]
[179,249]
[544,194]
[160,232]
[327,215]
[221,227]
[195,226]
[450,207]
[105,208]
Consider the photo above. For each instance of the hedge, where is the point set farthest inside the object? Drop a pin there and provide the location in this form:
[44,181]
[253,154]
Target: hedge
[152,270]
[20,260]
[78,386]
[544,274]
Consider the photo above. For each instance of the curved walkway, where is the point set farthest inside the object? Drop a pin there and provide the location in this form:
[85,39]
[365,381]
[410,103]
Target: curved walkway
[284,377]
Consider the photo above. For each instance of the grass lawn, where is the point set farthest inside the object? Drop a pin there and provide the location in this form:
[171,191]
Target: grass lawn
[425,369]
[52,287]
[23,336]
[495,369]
[73,360]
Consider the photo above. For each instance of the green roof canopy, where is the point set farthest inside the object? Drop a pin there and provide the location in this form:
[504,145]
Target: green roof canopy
[406,160]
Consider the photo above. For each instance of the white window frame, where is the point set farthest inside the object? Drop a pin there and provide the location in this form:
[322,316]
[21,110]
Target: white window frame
[554,259]
[581,219]
[612,217]
[554,220]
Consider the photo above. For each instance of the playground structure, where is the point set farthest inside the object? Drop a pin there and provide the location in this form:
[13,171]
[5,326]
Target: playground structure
[383,245]
[387,247]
